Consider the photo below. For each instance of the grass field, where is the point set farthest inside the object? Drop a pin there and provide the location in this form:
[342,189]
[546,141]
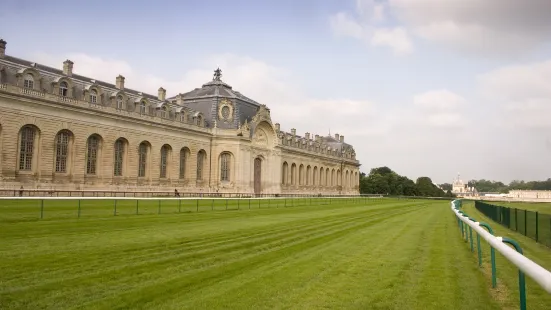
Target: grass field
[373,254]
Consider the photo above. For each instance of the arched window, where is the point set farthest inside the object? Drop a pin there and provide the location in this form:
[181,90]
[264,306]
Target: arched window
[28,81]
[293,174]
[62,151]
[321,177]
[315,176]
[120,102]
[142,159]
[119,158]
[92,154]
[93,96]
[26,148]
[333,177]
[184,154]
[200,164]
[142,107]
[327,177]
[164,161]
[164,112]
[199,120]
[225,167]
[284,173]
[63,89]
[308,175]
[301,175]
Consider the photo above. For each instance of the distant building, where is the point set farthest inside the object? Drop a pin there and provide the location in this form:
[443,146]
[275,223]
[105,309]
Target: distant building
[459,188]
[529,194]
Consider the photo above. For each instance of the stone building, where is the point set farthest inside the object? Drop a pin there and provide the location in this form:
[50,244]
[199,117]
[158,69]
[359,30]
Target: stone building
[63,131]
[461,189]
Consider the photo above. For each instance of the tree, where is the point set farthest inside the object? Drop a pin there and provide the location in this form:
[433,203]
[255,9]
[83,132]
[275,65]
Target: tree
[383,180]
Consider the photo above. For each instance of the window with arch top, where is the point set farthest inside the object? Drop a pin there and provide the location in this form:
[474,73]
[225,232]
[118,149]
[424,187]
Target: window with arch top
[93,96]
[142,159]
[225,159]
[62,151]
[164,161]
[63,89]
[28,81]
[26,148]
[142,107]
[120,102]
[93,145]
[119,158]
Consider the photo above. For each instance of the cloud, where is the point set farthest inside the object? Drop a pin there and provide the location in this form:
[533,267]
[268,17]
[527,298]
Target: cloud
[490,26]
[366,27]
[520,94]
[395,38]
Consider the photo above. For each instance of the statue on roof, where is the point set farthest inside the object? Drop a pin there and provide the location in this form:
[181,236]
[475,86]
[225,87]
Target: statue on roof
[217,75]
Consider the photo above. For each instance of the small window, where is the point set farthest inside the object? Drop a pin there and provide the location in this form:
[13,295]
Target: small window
[164,112]
[142,107]
[120,102]
[63,88]
[28,81]
[93,96]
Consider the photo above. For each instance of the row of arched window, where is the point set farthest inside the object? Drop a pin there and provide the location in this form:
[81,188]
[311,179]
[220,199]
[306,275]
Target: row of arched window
[313,177]
[29,141]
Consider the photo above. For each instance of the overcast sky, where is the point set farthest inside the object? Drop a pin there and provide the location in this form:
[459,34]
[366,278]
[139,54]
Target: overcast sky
[425,87]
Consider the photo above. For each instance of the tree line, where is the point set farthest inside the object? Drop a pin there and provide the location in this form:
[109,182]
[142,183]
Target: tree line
[484,186]
[384,181]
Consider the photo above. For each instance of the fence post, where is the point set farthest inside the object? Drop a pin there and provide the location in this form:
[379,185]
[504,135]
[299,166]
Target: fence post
[41,208]
[521,280]
[159,211]
[179,205]
[479,250]
[238,200]
[471,237]
[249,203]
[525,222]
[492,255]
[197,205]
[516,220]
[537,226]
[115,211]
[226,204]
[78,213]
[137,203]
[259,203]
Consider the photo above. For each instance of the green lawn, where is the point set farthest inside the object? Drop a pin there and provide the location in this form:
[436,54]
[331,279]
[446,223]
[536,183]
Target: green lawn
[367,254]
[507,272]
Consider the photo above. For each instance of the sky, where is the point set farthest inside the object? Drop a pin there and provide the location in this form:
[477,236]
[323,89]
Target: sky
[426,87]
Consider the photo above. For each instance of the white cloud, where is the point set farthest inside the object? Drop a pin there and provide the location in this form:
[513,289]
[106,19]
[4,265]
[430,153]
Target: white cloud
[520,93]
[441,99]
[344,25]
[395,38]
[507,26]
[489,26]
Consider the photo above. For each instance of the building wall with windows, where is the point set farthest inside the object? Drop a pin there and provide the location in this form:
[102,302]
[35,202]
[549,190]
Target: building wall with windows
[60,130]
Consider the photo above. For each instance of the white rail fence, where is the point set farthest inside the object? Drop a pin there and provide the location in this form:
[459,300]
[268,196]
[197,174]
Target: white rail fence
[526,266]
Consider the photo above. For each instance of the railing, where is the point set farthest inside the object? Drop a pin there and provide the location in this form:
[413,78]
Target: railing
[534,225]
[24,208]
[14,192]
[526,266]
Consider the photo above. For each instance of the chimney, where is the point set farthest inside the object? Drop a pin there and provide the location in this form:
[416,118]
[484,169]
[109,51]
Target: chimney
[337,136]
[317,137]
[277,126]
[68,67]
[2,48]
[120,82]
[293,131]
[307,136]
[180,99]
[161,94]
[342,138]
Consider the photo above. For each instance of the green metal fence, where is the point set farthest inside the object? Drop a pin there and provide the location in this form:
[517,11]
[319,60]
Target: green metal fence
[532,224]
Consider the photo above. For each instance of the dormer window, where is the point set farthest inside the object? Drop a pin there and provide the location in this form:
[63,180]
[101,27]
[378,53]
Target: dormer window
[28,82]
[63,88]
[142,107]
[199,120]
[93,96]
[120,102]
[164,112]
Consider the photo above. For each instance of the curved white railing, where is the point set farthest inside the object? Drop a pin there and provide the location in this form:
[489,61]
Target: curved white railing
[539,274]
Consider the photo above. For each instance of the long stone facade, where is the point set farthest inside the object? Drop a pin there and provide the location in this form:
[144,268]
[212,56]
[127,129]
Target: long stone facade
[63,131]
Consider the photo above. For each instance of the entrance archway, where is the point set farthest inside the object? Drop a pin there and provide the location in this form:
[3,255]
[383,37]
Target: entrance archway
[257,176]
